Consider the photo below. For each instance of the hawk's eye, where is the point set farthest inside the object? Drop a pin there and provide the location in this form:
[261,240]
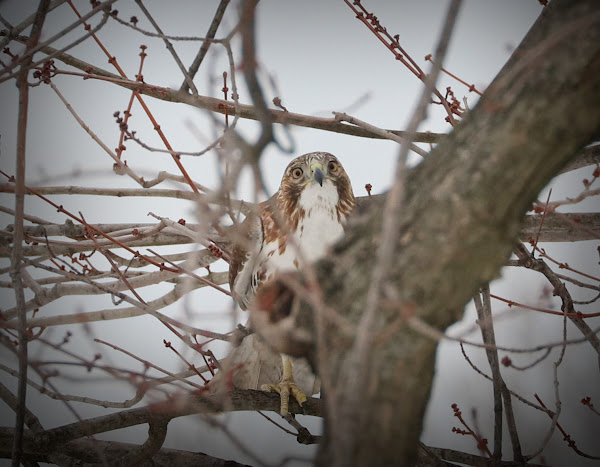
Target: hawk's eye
[297,173]
[333,166]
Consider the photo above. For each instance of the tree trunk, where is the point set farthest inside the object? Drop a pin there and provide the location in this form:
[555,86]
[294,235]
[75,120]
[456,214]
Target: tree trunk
[462,212]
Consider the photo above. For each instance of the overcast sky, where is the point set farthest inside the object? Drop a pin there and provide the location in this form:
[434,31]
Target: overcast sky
[318,58]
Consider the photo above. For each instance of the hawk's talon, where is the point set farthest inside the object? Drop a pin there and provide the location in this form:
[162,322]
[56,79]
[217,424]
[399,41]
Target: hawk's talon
[286,388]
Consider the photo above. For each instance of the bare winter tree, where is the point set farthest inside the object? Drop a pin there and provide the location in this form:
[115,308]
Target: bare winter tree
[376,308]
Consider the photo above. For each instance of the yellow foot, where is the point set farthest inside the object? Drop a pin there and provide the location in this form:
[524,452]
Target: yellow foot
[286,388]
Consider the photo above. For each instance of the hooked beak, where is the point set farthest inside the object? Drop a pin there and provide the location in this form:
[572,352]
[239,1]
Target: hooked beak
[317,171]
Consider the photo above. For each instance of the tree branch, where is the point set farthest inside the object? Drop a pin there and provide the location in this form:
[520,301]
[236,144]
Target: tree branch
[98,452]
[221,106]
[178,406]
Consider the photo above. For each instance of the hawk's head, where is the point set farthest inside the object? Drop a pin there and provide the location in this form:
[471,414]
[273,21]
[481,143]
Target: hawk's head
[316,179]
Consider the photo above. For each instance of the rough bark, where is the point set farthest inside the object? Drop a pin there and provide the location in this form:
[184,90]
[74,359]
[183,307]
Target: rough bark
[463,209]
[96,452]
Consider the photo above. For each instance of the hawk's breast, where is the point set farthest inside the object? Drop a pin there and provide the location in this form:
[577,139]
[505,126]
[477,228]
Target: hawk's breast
[317,230]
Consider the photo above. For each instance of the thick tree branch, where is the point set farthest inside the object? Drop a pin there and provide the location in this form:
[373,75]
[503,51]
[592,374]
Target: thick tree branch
[589,155]
[234,400]
[558,227]
[97,452]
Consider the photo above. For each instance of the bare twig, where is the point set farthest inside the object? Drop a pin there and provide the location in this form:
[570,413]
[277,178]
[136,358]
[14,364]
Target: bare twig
[567,437]
[212,30]
[539,265]
[187,78]
[501,393]
[141,101]
[342,117]
[481,442]
[393,45]
[247,29]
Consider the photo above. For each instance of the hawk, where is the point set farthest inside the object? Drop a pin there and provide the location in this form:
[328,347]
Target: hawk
[296,226]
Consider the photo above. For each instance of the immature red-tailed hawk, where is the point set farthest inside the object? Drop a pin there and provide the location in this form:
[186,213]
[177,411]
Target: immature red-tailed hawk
[297,225]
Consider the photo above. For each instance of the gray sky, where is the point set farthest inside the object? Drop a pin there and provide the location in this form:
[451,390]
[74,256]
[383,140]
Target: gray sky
[317,58]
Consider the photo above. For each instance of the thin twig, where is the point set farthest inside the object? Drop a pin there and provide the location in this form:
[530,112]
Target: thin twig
[501,392]
[567,437]
[484,319]
[212,30]
[539,265]
[113,61]
[343,117]
[188,79]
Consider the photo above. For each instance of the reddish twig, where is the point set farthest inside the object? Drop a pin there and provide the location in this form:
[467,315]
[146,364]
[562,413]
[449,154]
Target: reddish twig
[566,436]
[148,364]
[587,401]
[481,442]
[113,61]
[133,21]
[123,122]
[181,270]
[527,260]
[537,237]
[60,208]
[113,266]
[471,87]
[225,89]
[565,265]
[190,366]
[393,45]
[578,314]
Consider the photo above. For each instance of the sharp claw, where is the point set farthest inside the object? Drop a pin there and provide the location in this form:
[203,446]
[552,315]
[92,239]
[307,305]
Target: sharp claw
[285,389]
[298,395]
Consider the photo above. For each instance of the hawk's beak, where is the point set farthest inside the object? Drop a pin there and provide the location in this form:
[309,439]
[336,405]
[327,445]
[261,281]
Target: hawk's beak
[317,171]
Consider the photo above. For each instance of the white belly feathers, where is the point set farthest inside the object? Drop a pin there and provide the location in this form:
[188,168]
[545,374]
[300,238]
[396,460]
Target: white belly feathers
[317,231]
